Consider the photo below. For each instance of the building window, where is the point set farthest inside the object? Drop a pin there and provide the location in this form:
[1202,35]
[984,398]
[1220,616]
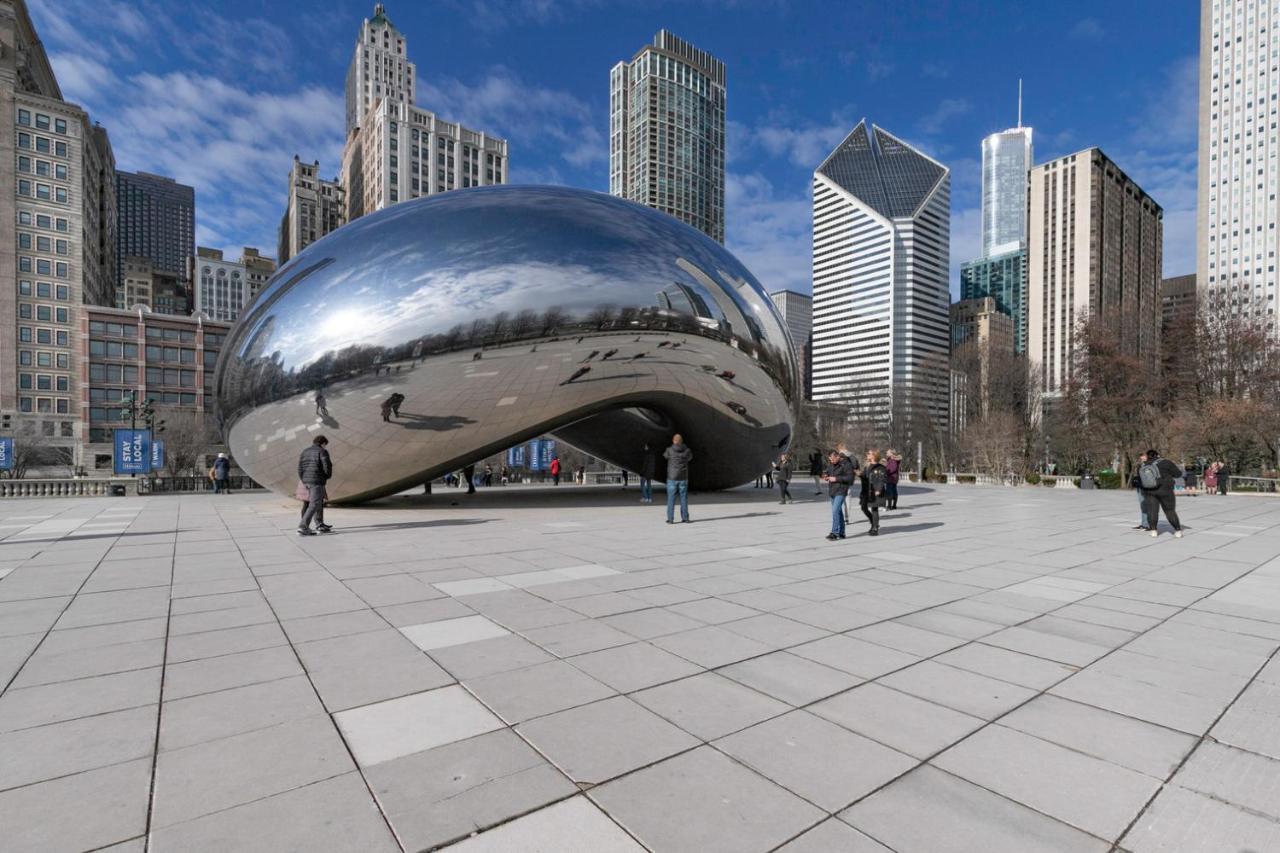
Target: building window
[60,125]
[24,117]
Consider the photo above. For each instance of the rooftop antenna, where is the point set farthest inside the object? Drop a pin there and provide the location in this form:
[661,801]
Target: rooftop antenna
[1019,103]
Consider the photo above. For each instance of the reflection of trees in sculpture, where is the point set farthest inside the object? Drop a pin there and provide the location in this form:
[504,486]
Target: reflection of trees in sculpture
[600,317]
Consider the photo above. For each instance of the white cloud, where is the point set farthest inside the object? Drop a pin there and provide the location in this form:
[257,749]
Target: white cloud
[769,232]
[81,77]
[1087,28]
[966,241]
[805,146]
[948,108]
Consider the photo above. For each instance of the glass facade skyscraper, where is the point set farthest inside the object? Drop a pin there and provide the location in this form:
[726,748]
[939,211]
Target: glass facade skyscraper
[1006,160]
[666,132]
[1004,279]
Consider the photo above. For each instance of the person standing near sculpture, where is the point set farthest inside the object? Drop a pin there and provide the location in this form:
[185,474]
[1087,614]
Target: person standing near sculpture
[838,476]
[555,470]
[315,469]
[648,468]
[222,475]
[782,475]
[678,457]
[892,466]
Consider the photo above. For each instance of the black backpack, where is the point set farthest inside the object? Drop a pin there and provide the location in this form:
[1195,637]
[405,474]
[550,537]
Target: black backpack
[877,477]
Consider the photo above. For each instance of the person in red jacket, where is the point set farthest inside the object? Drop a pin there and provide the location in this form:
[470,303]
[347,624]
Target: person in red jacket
[555,470]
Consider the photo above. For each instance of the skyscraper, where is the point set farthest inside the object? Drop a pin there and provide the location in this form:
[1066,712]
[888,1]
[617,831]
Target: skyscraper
[157,220]
[315,208]
[395,150]
[1236,209]
[380,68]
[1001,272]
[1094,250]
[881,251]
[797,315]
[666,132]
[56,241]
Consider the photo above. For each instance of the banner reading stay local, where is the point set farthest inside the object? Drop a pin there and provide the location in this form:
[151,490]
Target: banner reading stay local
[132,451]
[6,454]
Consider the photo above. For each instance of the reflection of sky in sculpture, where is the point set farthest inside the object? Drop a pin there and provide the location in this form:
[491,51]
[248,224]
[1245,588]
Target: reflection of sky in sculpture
[498,249]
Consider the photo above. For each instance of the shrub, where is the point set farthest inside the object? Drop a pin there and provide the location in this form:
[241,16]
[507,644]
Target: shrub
[1033,479]
[1108,480]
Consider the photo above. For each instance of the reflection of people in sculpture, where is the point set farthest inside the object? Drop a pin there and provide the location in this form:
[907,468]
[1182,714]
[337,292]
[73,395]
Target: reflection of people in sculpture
[637,356]
[477,356]
[469,473]
[580,372]
[610,354]
[395,400]
[386,410]
[321,407]
[594,353]
[664,344]
[726,374]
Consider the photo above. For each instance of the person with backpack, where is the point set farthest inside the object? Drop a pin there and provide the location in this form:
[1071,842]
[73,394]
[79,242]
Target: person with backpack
[1156,476]
[838,477]
[782,475]
[875,481]
[222,475]
[1135,483]
[678,457]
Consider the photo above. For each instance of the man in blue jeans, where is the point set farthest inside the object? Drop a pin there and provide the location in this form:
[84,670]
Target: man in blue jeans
[838,477]
[678,457]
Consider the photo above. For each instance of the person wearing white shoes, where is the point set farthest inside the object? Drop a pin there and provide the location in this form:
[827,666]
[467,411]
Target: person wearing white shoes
[1156,476]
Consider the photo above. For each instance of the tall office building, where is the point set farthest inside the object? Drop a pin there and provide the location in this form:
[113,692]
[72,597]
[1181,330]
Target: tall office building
[55,223]
[666,132]
[881,252]
[396,151]
[223,288]
[410,152]
[1001,272]
[157,220]
[315,208]
[1236,209]
[797,315]
[1004,279]
[1094,250]
[380,68]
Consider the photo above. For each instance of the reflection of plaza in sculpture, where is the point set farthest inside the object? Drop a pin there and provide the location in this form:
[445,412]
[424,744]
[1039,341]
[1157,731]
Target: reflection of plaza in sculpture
[500,314]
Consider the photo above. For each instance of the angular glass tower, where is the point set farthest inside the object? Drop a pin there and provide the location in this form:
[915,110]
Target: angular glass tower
[881,252]
[1006,160]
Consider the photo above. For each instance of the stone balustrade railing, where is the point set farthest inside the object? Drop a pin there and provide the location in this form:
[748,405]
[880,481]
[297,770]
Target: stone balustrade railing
[67,488]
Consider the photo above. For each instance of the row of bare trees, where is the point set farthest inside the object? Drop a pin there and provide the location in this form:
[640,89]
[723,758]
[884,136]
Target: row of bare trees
[1213,392]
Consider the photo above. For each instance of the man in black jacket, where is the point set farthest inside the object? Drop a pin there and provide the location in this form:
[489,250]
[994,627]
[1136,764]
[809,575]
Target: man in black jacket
[838,477]
[678,457]
[1162,497]
[314,470]
[875,481]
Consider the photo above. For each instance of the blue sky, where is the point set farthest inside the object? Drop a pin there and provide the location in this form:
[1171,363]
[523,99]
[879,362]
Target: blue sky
[221,95]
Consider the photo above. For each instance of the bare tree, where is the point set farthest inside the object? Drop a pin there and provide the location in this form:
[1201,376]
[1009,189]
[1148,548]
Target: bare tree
[187,438]
[32,449]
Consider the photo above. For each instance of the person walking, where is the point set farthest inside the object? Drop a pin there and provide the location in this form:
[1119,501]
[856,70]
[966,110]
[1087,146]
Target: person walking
[395,400]
[1156,476]
[321,407]
[626,479]
[843,450]
[469,473]
[875,482]
[648,467]
[222,475]
[815,471]
[782,475]
[1224,478]
[892,466]
[839,477]
[315,469]
[1135,482]
[678,457]
[555,470]
[385,408]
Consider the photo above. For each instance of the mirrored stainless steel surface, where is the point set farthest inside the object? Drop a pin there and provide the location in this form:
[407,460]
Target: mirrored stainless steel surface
[499,314]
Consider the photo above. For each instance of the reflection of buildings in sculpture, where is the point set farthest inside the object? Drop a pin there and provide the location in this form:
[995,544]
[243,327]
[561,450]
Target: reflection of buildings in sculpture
[797,316]
[680,298]
[881,249]
[739,328]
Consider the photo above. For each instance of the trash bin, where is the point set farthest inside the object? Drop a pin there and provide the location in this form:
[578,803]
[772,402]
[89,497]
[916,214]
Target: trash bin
[118,491]
[1087,481]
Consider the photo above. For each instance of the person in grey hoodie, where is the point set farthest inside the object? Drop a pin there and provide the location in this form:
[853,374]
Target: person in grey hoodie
[314,470]
[678,457]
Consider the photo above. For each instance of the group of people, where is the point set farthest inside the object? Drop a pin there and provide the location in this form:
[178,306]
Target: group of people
[1217,478]
[878,486]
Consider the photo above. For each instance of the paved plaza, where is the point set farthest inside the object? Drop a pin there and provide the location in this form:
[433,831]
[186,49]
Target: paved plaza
[560,671]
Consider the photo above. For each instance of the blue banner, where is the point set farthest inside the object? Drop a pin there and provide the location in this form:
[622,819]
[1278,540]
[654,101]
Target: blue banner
[132,451]
[548,450]
[515,457]
[157,455]
[6,454]
[535,455]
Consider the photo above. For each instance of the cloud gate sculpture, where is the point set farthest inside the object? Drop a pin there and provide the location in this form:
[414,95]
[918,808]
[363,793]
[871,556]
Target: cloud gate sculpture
[496,315]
